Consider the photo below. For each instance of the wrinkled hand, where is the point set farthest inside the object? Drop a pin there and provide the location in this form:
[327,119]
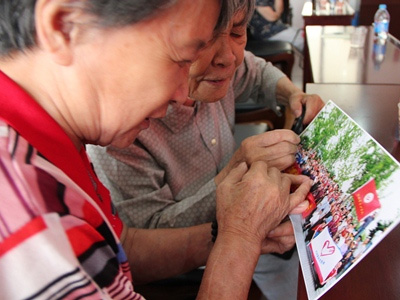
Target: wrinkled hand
[276,147]
[251,202]
[312,102]
[280,239]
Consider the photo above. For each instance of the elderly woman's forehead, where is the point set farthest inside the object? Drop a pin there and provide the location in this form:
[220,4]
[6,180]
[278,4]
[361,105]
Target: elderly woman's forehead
[238,19]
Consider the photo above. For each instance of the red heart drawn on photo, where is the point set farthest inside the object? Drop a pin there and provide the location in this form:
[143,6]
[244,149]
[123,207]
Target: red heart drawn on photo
[327,249]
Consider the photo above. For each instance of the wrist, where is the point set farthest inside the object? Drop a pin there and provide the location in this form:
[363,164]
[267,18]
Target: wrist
[248,240]
[229,269]
[285,89]
[239,243]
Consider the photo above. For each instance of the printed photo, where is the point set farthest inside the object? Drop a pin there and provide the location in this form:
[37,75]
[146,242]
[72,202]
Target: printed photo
[354,202]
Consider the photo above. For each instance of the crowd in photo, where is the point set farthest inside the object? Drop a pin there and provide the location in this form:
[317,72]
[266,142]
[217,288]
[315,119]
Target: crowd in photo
[334,210]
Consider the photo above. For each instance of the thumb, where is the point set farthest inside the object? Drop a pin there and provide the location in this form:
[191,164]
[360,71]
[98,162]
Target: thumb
[296,107]
[300,208]
[299,196]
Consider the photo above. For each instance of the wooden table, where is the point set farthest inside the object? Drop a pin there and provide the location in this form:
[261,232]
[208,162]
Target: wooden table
[333,60]
[374,107]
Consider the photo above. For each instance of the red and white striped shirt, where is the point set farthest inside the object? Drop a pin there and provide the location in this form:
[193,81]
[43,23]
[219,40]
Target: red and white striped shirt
[59,233]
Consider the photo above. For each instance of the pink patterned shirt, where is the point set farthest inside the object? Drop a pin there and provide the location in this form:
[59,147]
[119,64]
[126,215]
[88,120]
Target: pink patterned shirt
[59,233]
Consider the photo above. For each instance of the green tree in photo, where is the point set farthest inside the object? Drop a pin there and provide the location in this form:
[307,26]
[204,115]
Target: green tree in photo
[373,163]
[338,142]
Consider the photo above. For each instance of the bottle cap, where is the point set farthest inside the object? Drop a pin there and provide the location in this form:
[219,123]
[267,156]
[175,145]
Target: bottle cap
[382,6]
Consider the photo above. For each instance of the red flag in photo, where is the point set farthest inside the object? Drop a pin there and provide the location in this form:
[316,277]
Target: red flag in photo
[311,205]
[366,199]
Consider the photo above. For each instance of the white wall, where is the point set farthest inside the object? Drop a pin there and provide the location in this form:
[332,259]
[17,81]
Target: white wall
[297,6]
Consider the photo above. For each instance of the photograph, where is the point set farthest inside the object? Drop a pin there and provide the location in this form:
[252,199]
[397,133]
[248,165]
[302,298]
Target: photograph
[353,203]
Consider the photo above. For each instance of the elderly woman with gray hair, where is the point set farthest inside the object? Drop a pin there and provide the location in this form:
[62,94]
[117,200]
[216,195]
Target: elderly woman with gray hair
[88,71]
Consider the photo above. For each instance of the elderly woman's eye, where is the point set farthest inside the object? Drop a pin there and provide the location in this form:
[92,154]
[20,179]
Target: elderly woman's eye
[236,34]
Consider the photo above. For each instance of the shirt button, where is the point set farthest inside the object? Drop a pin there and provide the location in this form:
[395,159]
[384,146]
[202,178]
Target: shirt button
[213,142]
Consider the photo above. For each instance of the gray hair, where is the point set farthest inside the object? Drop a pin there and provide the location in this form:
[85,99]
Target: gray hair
[247,6]
[17,17]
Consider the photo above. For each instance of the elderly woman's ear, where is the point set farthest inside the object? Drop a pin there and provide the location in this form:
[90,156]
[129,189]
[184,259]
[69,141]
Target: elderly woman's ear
[58,28]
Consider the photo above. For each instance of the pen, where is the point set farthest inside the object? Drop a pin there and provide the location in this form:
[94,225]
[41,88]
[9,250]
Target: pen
[298,122]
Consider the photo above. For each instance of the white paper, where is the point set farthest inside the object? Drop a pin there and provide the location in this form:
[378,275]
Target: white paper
[357,200]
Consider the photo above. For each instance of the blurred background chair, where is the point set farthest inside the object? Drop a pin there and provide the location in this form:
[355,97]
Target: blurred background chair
[279,53]
[262,115]
[253,120]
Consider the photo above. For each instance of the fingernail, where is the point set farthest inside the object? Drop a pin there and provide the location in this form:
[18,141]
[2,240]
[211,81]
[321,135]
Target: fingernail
[242,164]
[304,204]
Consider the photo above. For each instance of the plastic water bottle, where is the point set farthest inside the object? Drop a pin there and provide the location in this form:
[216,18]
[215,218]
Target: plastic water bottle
[378,53]
[381,22]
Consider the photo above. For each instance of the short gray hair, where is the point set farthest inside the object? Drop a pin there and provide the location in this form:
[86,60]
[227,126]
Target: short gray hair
[17,23]
[247,6]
